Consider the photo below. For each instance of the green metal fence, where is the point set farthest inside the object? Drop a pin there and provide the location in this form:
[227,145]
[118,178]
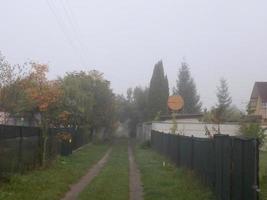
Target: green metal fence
[229,165]
[21,147]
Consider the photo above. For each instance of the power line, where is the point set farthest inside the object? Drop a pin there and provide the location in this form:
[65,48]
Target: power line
[73,23]
[64,29]
[72,15]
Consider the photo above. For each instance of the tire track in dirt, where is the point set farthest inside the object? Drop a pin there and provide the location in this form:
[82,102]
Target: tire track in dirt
[136,189]
[77,188]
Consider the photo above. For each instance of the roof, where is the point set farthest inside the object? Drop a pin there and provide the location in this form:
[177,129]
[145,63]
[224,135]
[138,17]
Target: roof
[260,89]
[182,116]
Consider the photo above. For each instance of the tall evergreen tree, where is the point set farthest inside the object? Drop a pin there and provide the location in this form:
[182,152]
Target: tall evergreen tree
[224,100]
[158,91]
[185,86]
[166,89]
[220,113]
[223,95]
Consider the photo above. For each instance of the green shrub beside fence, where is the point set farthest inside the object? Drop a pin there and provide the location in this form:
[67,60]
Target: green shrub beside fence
[229,165]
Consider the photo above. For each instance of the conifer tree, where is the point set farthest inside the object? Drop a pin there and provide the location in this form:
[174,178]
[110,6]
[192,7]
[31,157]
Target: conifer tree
[158,91]
[224,100]
[223,95]
[185,86]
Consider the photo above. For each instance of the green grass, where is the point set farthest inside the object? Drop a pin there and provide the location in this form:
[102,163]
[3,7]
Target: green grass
[113,182]
[52,183]
[263,175]
[168,182]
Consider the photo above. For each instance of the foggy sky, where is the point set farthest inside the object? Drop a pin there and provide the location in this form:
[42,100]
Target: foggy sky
[125,38]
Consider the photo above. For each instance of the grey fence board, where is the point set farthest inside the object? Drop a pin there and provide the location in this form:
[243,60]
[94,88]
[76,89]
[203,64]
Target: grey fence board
[229,165]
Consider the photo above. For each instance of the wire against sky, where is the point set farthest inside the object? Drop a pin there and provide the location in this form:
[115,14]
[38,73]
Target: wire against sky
[66,28]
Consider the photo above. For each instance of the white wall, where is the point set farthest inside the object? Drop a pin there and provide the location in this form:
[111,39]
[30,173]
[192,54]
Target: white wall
[187,128]
[265,145]
[196,129]
[122,130]
[143,132]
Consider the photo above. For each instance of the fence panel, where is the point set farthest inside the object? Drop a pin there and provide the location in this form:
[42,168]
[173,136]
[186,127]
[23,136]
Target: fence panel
[223,166]
[21,147]
[9,155]
[30,152]
[155,144]
[165,143]
[186,151]
[244,169]
[8,132]
[174,149]
[29,147]
[204,160]
[229,165]
[161,142]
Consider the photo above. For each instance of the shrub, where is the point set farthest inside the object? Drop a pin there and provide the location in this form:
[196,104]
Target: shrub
[253,130]
[145,145]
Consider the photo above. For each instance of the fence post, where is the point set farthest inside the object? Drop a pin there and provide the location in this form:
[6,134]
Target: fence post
[151,142]
[257,167]
[223,151]
[245,161]
[178,151]
[40,146]
[192,153]
[20,150]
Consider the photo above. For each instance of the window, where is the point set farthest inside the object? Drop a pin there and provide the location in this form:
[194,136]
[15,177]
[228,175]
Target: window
[264,105]
[253,103]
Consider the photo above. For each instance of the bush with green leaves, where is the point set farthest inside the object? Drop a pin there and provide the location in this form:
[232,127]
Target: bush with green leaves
[145,145]
[254,130]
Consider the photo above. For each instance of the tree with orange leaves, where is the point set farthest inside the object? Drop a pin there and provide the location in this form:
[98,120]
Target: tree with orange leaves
[25,92]
[11,93]
[43,95]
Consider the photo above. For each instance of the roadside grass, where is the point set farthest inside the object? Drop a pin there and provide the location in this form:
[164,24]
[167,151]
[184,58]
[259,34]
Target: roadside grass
[52,183]
[263,175]
[167,182]
[113,182]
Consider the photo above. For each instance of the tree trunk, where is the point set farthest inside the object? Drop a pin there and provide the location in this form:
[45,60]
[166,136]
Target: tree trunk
[44,135]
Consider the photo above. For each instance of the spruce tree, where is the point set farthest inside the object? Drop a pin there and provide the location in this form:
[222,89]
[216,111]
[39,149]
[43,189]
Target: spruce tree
[185,87]
[158,91]
[166,89]
[224,99]
[223,95]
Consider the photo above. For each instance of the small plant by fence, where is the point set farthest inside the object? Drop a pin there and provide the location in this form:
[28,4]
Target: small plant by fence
[20,147]
[229,165]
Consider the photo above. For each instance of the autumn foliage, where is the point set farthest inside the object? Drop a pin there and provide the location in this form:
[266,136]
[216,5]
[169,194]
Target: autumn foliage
[40,91]
[79,99]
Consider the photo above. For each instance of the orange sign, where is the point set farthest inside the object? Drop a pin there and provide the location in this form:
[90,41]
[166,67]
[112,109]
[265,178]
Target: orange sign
[175,103]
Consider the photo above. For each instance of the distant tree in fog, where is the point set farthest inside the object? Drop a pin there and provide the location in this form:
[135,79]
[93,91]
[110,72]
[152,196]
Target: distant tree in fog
[186,87]
[158,92]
